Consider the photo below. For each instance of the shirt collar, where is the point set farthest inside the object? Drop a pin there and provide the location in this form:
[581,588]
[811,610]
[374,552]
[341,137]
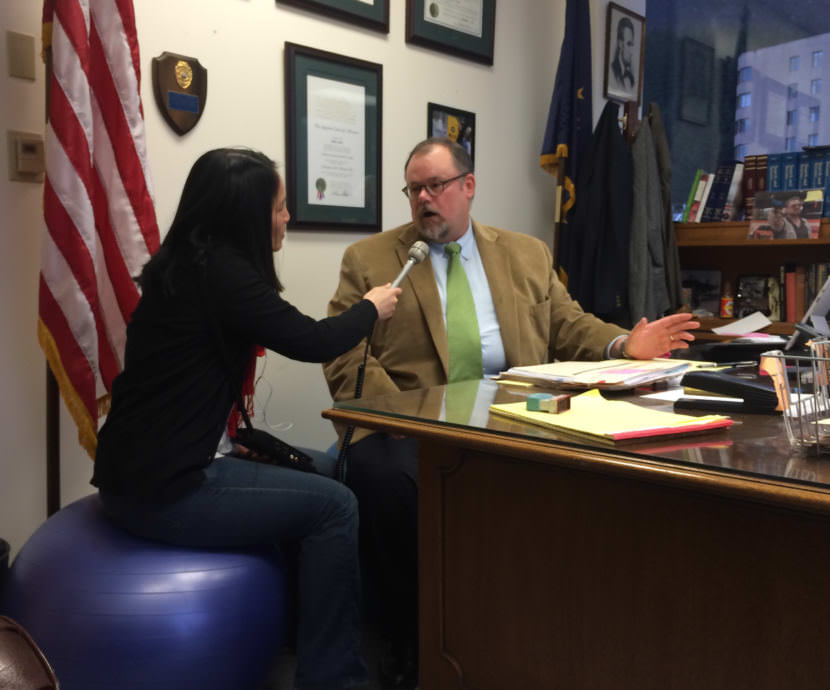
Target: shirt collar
[466,241]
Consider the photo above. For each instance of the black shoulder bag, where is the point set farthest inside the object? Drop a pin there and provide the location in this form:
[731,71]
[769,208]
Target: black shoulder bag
[267,448]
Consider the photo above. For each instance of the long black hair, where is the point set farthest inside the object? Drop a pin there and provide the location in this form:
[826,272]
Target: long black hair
[227,200]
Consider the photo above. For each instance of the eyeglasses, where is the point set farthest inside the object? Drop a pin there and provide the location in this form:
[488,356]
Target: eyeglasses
[413,191]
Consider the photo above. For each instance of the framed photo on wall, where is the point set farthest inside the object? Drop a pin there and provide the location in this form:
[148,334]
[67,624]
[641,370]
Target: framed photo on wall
[455,124]
[465,28]
[332,140]
[373,14]
[625,44]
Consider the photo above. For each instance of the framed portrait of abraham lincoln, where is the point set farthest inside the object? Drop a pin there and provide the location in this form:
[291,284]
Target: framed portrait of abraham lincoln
[625,43]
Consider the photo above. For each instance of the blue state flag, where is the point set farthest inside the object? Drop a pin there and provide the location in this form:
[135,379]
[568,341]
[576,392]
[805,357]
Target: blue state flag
[570,118]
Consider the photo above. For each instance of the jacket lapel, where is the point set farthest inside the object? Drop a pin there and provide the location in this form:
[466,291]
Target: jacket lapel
[421,281]
[496,262]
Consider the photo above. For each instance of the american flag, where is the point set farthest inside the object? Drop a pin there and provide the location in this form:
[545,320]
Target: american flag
[100,222]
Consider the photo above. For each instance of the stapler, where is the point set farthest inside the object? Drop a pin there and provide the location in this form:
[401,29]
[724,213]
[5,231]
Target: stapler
[753,396]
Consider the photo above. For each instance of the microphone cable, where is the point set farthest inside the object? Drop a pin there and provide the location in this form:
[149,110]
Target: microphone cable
[342,457]
[416,254]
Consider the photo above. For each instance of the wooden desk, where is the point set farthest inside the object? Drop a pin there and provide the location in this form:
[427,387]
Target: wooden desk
[700,563]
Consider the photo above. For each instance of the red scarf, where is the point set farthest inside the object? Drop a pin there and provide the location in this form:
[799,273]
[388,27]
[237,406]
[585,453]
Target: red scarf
[248,383]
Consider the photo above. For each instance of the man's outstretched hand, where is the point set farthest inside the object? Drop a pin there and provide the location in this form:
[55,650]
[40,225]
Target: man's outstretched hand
[654,339]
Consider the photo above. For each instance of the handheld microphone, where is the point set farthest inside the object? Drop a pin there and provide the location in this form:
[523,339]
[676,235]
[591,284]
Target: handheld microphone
[417,253]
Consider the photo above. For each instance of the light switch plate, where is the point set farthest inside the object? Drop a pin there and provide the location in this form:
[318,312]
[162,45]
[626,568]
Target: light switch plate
[26,159]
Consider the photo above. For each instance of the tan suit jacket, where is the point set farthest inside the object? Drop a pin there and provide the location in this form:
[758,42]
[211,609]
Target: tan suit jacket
[539,321]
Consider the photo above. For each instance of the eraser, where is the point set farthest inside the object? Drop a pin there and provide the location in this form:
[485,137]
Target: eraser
[546,402]
[534,401]
[556,404]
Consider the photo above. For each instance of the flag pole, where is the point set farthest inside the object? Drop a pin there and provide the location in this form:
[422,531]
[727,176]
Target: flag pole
[53,443]
[557,225]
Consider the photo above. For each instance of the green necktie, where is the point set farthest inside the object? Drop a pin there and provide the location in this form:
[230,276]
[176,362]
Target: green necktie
[463,335]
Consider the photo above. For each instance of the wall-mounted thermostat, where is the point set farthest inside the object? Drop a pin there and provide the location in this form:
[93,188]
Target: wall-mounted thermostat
[25,156]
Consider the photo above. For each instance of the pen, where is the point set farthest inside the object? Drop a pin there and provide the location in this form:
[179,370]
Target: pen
[748,363]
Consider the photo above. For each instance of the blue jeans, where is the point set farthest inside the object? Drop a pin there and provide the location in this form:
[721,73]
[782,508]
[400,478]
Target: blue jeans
[244,504]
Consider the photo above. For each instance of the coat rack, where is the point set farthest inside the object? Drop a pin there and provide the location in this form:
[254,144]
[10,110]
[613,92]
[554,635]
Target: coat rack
[630,120]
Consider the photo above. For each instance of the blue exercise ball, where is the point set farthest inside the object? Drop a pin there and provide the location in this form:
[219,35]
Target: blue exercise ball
[114,611]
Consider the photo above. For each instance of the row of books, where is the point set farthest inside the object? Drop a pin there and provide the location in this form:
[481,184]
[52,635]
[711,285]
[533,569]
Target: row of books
[795,170]
[784,297]
[729,192]
[715,196]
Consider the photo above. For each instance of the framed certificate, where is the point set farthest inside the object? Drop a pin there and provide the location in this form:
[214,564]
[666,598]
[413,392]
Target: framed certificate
[465,28]
[333,121]
[373,14]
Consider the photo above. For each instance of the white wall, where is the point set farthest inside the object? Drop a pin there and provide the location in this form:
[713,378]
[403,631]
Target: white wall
[240,42]
[244,59]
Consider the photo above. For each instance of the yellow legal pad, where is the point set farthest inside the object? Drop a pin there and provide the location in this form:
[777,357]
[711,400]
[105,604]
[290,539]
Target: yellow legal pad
[613,420]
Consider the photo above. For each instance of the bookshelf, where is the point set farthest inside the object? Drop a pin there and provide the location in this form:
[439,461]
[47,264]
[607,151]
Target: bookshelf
[724,246]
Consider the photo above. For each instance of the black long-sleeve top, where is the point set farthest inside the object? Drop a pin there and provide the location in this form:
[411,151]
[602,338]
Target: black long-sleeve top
[170,405]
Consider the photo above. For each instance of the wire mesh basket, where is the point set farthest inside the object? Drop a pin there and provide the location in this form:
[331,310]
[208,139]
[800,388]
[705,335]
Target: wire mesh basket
[802,384]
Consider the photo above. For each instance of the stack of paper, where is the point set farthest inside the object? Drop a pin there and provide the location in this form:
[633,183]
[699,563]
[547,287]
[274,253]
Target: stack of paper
[608,374]
[613,420]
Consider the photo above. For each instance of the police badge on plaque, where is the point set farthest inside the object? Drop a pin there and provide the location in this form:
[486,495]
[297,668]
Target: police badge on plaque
[180,86]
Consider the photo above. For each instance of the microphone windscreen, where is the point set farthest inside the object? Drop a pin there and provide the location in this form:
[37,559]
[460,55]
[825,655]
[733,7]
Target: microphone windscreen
[418,251]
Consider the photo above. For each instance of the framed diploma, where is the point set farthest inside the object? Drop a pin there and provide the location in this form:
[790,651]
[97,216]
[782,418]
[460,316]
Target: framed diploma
[465,28]
[333,122]
[372,14]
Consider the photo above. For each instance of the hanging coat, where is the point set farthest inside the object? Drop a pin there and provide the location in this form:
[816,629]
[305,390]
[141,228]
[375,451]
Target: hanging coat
[672,256]
[602,223]
[647,293]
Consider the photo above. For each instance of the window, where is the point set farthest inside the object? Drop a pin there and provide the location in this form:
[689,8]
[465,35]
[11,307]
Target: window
[814,113]
[812,140]
[726,78]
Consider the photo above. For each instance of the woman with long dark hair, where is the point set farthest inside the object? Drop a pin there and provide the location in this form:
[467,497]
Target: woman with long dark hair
[210,299]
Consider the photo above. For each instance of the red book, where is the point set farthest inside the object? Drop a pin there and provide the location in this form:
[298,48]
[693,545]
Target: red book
[800,292]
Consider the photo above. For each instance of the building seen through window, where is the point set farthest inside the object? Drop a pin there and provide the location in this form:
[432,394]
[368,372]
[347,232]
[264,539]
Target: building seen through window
[778,121]
[736,79]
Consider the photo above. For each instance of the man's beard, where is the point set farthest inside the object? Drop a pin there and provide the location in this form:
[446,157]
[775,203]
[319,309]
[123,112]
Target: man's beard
[433,232]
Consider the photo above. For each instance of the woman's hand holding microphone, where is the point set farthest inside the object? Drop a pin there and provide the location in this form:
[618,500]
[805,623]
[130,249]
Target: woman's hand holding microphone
[385,298]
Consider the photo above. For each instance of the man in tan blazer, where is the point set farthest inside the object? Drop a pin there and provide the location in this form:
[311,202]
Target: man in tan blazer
[526,317]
